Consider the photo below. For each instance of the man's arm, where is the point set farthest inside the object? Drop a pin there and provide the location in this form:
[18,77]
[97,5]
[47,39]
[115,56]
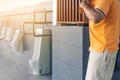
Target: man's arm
[94,15]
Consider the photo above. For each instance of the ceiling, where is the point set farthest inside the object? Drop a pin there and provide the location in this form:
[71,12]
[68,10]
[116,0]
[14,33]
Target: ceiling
[12,4]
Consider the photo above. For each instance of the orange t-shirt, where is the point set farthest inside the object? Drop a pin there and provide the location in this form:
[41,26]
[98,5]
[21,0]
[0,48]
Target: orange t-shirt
[105,34]
[119,21]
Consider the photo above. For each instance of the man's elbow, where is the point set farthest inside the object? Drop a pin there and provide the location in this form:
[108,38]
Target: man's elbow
[98,16]
[96,20]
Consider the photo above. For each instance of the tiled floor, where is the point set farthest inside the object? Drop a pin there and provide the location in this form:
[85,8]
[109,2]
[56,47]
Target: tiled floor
[14,66]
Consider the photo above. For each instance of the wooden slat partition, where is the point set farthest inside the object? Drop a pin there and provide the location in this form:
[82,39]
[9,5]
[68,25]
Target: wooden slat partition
[58,10]
[76,10]
[61,1]
[70,4]
[79,14]
[64,5]
[68,12]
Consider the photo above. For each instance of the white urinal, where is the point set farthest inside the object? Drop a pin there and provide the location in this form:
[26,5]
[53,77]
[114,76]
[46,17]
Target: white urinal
[9,34]
[40,61]
[17,41]
[3,33]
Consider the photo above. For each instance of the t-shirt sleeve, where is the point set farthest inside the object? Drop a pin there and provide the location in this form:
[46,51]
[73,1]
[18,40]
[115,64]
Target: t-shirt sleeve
[103,5]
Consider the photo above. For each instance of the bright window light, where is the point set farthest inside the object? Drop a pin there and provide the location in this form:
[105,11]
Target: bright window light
[12,4]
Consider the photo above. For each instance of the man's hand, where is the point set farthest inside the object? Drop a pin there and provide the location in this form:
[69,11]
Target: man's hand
[82,4]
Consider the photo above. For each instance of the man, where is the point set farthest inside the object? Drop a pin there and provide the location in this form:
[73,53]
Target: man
[104,25]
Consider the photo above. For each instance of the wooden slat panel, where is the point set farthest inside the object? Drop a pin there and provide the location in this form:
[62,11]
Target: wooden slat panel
[76,10]
[73,10]
[64,10]
[79,15]
[68,12]
[60,10]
